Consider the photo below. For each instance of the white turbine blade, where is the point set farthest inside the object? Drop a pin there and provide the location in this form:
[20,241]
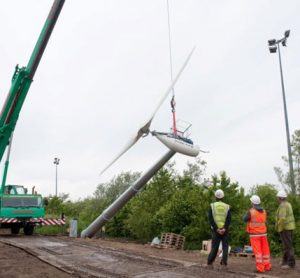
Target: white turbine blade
[130,143]
[169,89]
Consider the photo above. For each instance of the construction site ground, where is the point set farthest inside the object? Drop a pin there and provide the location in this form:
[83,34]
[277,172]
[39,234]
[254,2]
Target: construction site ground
[61,256]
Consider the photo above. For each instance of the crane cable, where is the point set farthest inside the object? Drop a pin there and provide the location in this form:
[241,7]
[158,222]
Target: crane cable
[173,103]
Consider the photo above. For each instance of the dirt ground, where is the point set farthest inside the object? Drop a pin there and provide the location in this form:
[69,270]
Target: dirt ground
[239,264]
[17,263]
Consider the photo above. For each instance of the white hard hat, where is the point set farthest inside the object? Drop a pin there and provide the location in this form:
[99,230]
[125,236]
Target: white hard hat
[255,200]
[281,194]
[219,194]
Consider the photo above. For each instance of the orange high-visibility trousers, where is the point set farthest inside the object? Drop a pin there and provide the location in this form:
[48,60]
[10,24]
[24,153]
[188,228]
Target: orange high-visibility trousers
[261,250]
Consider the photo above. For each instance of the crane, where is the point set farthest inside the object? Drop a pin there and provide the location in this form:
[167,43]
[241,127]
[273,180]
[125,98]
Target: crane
[17,208]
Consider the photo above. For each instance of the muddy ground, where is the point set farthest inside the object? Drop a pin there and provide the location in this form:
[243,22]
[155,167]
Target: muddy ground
[17,262]
[239,264]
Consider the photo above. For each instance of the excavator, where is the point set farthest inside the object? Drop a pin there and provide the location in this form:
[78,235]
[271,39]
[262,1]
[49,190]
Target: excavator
[18,209]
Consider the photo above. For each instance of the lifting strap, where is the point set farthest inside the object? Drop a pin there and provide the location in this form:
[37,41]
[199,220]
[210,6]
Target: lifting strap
[173,103]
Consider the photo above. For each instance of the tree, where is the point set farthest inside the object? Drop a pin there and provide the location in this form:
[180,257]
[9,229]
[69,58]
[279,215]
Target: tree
[54,205]
[195,171]
[104,195]
[284,177]
[169,203]
[112,190]
[107,193]
[143,221]
[186,213]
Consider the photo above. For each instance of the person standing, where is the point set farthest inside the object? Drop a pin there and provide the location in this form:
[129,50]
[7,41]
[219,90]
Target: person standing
[285,224]
[256,218]
[219,217]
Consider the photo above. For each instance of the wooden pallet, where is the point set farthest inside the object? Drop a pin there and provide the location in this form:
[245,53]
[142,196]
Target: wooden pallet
[171,240]
[242,254]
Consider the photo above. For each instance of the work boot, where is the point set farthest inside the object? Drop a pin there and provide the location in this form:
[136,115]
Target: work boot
[209,266]
[224,267]
[256,270]
[283,262]
[286,267]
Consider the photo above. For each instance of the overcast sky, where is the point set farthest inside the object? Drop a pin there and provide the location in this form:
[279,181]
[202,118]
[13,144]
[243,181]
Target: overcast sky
[107,65]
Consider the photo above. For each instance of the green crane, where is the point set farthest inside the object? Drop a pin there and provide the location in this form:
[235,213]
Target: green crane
[15,204]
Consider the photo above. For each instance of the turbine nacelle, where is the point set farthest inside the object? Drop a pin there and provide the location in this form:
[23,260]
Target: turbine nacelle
[177,143]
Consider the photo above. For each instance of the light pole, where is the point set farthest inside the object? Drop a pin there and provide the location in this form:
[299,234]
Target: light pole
[273,46]
[56,162]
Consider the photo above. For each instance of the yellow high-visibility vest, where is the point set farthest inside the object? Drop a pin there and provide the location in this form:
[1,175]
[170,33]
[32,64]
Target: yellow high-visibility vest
[285,217]
[219,212]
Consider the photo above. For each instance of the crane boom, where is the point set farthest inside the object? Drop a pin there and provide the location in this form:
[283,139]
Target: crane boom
[17,208]
[22,79]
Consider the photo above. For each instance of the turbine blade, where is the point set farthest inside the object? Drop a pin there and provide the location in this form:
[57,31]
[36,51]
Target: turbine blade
[129,144]
[170,87]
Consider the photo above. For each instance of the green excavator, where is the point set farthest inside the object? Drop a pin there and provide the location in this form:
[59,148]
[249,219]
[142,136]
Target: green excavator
[18,209]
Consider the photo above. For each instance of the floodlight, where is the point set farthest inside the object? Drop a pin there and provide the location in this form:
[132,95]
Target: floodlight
[287,33]
[284,42]
[273,48]
[272,42]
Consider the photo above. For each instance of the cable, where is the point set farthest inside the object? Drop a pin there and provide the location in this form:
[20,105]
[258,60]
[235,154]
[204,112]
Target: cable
[170,45]
[173,103]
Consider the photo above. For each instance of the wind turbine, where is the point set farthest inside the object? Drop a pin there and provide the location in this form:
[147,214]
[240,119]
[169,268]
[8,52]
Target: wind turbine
[177,143]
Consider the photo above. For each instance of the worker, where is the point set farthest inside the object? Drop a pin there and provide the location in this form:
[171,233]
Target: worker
[256,218]
[285,224]
[219,217]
